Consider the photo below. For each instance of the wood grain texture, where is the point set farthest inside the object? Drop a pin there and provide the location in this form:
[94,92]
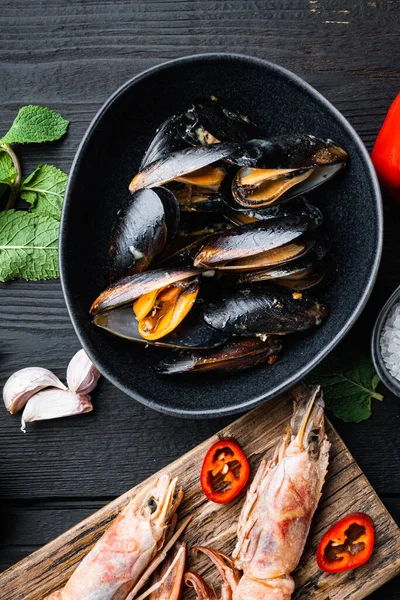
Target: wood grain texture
[71,56]
[346,490]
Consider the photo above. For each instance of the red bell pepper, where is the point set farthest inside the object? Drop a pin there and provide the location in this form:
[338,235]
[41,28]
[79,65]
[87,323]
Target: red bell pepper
[347,545]
[225,471]
[386,152]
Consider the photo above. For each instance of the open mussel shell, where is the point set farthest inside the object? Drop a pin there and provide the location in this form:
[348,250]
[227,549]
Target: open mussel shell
[258,310]
[235,355]
[298,275]
[278,169]
[295,207]
[289,152]
[167,139]
[130,288]
[193,332]
[178,164]
[210,120]
[254,239]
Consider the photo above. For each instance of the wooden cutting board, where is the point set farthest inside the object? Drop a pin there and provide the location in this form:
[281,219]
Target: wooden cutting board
[346,490]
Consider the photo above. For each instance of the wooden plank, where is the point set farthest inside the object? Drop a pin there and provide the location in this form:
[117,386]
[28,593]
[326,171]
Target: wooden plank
[346,490]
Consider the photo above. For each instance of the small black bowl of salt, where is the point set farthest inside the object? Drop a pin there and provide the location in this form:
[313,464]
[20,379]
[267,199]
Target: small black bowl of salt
[385,345]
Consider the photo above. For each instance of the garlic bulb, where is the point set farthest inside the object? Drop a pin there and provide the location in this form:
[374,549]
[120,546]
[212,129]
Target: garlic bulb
[54,403]
[23,384]
[82,375]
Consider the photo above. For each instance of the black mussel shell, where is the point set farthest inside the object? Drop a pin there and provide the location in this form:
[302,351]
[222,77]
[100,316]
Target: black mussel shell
[141,231]
[193,332]
[296,207]
[176,164]
[289,152]
[171,210]
[252,239]
[259,310]
[235,355]
[166,140]
[209,121]
[279,169]
[308,267]
[130,288]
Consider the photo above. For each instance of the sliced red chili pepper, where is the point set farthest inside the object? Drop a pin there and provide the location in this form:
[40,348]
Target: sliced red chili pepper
[225,471]
[347,545]
[386,152]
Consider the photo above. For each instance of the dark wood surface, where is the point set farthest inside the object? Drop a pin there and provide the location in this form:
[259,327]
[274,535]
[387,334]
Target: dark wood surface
[259,431]
[71,56]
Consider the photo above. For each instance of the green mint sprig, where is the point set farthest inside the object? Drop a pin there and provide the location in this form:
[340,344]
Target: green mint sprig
[29,239]
[349,382]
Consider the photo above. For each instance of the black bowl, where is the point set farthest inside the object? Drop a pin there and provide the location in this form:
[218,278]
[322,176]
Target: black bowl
[98,186]
[384,374]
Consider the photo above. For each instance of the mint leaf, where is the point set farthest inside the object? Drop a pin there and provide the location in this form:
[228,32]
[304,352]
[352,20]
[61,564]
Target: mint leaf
[349,381]
[28,246]
[44,190]
[36,124]
[7,170]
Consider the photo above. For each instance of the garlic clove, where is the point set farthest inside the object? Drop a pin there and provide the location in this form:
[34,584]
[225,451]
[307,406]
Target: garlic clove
[82,375]
[54,403]
[23,384]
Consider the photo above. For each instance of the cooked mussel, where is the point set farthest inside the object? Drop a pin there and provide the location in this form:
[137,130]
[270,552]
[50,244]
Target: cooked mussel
[296,207]
[193,332]
[130,288]
[278,169]
[141,229]
[298,275]
[258,310]
[192,166]
[235,355]
[257,245]
[159,312]
[209,121]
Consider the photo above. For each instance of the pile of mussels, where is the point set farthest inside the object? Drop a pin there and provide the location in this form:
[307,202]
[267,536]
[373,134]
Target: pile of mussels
[217,245]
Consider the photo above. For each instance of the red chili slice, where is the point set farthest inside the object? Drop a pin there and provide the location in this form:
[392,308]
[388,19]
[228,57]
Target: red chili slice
[225,471]
[347,545]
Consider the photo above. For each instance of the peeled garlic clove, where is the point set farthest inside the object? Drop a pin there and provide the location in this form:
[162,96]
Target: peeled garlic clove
[52,404]
[82,375]
[23,384]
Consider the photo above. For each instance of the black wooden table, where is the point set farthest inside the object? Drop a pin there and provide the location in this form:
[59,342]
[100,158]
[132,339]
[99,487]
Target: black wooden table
[71,56]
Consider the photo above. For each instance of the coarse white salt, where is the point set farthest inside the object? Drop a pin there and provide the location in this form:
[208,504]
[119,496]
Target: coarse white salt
[390,342]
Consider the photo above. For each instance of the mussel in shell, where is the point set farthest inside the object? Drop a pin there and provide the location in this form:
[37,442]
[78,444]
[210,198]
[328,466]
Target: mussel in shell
[130,288]
[257,245]
[209,121]
[297,207]
[140,232]
[235,355]
[258,310]
[278,169]
[192,166]
[298,275]
[193,332]
[159,312]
